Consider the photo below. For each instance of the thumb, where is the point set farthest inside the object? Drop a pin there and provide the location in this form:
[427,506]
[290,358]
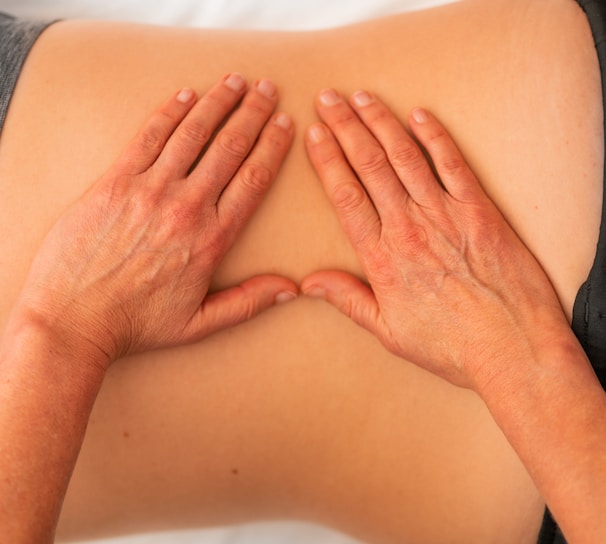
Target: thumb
[237,304]
[349,295]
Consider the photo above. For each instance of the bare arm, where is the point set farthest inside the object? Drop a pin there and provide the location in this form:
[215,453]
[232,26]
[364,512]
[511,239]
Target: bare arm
[126,269]
[47,391]
[551,408]
[454,290]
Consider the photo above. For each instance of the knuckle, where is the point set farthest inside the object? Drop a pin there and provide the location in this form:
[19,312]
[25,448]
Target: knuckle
[411,242]
[437,136]
[196,131]
[383,281]
[275,139]
[248,309]
[257,107]
[344,119]
[256,177]
[116,188]
[370,162]
[219,100]
[350,308]
[153,138]
[349,197]
[180,214]
[453,165]
[407,156]
[451,162]
[233,142]
[326,158]
[378,114]
[142,204]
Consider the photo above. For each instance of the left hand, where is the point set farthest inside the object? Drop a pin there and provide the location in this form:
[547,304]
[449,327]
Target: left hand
[452,287]
[127,268]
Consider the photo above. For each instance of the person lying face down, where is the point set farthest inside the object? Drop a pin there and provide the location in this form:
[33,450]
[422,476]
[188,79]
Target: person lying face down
[363,415]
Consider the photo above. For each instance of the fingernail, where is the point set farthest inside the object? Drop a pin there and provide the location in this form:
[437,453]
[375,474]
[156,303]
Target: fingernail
[329,97]
[235,82]
[419,115]
[361,98]
[185,95]
[266,88]
[285,296]
[283,120]
[316,292]
[316,134]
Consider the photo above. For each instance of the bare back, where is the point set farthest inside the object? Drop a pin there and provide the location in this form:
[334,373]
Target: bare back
[300,413]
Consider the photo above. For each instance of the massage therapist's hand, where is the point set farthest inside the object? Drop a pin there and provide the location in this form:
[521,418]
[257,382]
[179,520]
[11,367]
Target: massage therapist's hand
[128,267]
[452,288]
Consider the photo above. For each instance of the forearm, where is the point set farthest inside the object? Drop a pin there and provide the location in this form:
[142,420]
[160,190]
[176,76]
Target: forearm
[46,395]
[553,413]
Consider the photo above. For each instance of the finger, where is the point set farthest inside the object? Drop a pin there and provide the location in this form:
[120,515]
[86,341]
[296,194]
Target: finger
[238,304]
[245,191]
[457,177]
[354,208]
[349,295]
[145,148]
[196,130]
[403,153]
[234,141]
[366,156]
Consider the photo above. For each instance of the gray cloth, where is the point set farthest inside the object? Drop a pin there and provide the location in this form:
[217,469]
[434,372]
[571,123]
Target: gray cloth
[17,36]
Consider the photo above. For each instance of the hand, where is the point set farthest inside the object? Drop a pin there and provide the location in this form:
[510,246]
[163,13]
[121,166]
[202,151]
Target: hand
[452,287]
[128,266]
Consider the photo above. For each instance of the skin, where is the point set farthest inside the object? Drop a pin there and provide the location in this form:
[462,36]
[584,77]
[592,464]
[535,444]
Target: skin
[144,240]
[439,224]
[433,247]
[300,413]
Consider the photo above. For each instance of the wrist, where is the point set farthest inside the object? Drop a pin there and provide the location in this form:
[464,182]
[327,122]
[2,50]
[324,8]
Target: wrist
[541,346]
[27,328]
[526,379]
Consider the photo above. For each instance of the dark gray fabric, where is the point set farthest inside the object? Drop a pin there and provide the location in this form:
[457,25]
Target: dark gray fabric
[16,39]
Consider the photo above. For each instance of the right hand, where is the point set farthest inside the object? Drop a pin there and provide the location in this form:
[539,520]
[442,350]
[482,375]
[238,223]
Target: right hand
[127,268]
[452,287]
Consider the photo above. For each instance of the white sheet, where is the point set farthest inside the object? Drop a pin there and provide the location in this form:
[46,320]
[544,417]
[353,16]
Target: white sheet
[258,533]
[252,14]
[260,14]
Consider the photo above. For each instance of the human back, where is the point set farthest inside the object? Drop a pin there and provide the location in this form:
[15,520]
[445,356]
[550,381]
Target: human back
[352,436]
